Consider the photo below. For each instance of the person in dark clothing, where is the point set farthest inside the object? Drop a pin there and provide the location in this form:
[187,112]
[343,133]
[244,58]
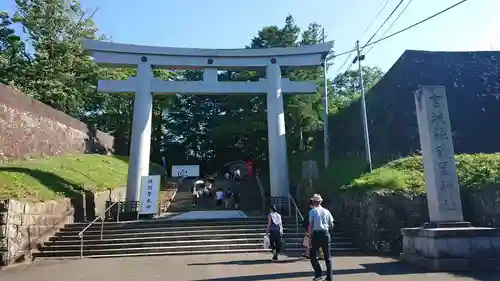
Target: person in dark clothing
[228,197]
[274,231]
[236,199]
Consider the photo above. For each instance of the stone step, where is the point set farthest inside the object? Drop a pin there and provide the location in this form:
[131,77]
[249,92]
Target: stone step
[153,249]
[177,224]
[176,249]
[158,243]
[110,231]
[257,218]
[176,234]
[171,222]
[164,253]
[179,244]
[164,232]
[290,237]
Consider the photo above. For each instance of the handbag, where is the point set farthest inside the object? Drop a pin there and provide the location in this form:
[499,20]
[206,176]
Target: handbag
[306,242]
[267,242]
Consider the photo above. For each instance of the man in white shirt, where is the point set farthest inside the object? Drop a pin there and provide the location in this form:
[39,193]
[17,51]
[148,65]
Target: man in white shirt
[320,225]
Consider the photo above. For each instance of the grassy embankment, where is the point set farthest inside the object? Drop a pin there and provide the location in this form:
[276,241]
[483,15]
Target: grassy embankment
[63,176]
[406,174]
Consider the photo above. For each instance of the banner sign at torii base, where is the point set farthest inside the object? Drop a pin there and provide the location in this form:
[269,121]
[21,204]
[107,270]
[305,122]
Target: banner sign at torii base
[150,193]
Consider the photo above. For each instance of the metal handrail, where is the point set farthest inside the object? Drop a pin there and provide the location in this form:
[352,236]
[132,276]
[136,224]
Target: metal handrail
[262,191]
[101,217]
[291,202]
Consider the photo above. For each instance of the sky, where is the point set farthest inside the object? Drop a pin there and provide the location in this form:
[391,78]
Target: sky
[472,26]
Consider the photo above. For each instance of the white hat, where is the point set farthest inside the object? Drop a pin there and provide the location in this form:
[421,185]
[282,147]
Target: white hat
[317,198]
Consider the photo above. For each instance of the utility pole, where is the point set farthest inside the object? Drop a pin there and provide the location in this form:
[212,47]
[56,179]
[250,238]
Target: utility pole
[358,59]
[326,142]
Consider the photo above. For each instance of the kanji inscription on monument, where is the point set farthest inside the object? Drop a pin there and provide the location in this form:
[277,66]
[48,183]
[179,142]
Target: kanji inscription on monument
[440,171]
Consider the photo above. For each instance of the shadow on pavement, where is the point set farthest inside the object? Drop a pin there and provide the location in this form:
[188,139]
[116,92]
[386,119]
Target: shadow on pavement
[392,268]
[382,269]
[479,276]
[284,275]
[247,262]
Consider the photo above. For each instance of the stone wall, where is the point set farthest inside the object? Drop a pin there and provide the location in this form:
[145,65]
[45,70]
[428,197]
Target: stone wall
[375,219]
[24,226]
[29,129]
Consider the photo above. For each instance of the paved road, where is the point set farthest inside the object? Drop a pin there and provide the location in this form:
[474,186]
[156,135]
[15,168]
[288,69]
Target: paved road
[234,267]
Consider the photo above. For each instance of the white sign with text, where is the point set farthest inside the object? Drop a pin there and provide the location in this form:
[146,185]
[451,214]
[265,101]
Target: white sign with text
[185,171]
[150,192]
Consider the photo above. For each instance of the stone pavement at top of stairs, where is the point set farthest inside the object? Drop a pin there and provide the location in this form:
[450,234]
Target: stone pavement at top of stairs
[232,267]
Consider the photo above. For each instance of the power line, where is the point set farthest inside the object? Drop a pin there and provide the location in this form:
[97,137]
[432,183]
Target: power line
[392,24]
[380,27]
[404,29]
[417,23]
[344,64]
[364,33]
[374,19]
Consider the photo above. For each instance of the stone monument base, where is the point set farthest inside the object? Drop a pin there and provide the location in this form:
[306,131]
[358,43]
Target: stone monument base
[452,248]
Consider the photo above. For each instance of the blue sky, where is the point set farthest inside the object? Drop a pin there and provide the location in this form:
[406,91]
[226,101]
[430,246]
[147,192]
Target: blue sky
[472,26]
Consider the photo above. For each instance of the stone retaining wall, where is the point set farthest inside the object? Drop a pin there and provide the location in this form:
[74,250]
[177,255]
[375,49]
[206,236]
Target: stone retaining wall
[24,226]
[375,219]
[31,129]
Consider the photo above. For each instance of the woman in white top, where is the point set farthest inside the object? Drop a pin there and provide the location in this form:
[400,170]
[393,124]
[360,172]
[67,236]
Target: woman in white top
[274,231]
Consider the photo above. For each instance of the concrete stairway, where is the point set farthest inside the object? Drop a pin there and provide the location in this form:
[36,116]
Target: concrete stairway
[174,237]
[250,196]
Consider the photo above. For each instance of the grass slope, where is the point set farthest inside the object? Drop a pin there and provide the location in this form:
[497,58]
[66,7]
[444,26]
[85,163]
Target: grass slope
[474,171]
[63,176]
[342,170]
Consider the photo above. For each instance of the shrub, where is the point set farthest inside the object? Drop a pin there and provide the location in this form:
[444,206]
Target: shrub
[406,174]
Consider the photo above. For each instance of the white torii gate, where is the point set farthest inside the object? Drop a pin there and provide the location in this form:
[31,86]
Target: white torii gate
[145,58]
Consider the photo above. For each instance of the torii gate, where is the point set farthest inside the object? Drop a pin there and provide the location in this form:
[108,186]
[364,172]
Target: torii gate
[145,58]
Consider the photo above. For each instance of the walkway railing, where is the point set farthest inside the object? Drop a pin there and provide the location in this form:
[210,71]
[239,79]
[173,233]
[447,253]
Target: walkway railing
[101,217]
[262,192]
[298,215]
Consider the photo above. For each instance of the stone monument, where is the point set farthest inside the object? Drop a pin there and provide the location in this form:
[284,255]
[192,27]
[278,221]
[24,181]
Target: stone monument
[446,242]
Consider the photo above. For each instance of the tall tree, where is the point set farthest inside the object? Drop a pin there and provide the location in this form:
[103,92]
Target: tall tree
[13,57]
[346,86]
[59,73]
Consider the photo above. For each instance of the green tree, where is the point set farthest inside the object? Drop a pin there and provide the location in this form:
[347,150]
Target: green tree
[13,57]
[346,85]
[59,73]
